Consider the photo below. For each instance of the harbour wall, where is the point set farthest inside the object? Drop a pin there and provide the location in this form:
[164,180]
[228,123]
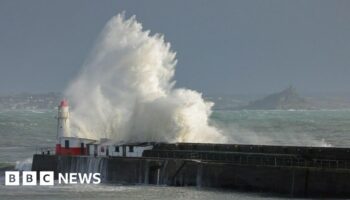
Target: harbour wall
[294,181]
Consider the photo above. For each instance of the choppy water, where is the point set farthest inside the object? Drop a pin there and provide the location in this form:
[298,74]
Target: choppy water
[104,191]
[23,132]
[310,128]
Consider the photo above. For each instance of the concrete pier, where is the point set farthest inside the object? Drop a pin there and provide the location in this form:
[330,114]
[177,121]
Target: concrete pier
[294,171]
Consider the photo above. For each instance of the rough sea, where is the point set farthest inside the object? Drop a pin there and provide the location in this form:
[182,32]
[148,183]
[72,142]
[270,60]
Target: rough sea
[24,132]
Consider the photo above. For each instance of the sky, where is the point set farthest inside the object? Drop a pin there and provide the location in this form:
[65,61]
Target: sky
[223,47]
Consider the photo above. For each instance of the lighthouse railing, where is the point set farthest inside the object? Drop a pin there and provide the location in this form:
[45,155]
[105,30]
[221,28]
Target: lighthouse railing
[45,150]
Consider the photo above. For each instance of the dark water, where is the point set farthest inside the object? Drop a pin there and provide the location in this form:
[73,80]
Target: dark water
[23,132]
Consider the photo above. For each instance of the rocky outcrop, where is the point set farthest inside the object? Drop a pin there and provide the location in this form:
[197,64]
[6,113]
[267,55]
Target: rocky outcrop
[284,100]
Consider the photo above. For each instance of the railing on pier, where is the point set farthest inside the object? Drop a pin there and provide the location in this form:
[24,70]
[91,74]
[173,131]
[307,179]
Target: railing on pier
[45,150]
[328,153]
[276,160]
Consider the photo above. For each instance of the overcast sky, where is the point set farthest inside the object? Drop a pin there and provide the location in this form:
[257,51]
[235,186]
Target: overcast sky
[222,46]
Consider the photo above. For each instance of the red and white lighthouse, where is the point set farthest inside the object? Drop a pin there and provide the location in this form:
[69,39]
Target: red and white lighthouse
[66,144]
[63,120]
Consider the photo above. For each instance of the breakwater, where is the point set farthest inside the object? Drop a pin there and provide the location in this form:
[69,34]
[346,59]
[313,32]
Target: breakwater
[294,171]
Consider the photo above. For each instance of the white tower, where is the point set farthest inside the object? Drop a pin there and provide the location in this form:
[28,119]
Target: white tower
[63,120]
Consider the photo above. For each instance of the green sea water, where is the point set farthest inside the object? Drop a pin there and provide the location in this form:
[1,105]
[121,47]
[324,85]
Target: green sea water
[24,132]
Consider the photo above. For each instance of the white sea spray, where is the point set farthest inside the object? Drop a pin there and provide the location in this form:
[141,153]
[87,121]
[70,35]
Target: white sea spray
[125,91]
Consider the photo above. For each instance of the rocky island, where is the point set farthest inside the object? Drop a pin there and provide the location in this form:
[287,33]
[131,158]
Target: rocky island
[284,100]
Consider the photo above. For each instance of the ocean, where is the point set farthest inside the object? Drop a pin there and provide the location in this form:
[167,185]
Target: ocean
[23,133]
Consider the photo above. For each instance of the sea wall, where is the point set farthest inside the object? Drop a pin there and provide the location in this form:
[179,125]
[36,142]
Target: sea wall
[42,162]
[292,181]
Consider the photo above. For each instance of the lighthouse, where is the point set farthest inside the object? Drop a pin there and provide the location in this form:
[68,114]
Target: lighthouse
[62,125]
[63,120]
[66,144]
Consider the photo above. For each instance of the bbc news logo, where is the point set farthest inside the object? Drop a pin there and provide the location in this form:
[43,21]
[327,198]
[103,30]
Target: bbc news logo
[12,178]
